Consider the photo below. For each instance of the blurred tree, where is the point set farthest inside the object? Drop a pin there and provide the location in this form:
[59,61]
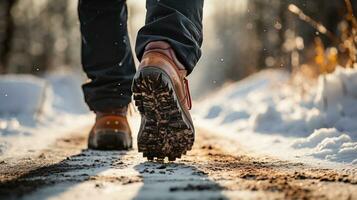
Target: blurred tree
[237,46]
[41,35]
[248,35]
[267,34]
[330,15]
[6,32]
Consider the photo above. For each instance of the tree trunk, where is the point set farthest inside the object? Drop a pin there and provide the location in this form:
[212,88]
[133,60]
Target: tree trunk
[8,35]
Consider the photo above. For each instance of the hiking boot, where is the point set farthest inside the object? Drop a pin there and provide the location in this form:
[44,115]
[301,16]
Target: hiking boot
[162,96]
[111,131]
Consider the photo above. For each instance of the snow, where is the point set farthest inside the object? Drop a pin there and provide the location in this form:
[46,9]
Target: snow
[316,137]
[23,94]
[268,113]
[331,144]
[68,96]
[265,112]
[30,108]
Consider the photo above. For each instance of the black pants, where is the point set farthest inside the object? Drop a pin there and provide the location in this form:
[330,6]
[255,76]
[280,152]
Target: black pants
[106,53]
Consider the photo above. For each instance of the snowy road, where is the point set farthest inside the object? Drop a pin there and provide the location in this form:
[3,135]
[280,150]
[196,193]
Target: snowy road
[264,145]
[216,168]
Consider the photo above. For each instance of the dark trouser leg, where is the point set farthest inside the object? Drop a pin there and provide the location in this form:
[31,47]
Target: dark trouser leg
[106,54]
[178,22]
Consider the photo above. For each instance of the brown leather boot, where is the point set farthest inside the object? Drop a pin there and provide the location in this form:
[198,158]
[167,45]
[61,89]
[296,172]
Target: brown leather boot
[111,131]
[162,96]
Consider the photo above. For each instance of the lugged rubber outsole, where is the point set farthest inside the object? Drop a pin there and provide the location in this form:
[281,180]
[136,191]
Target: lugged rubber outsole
[110,140]
[165,129]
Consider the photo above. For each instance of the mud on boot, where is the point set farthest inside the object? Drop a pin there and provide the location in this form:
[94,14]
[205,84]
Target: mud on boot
[161,94]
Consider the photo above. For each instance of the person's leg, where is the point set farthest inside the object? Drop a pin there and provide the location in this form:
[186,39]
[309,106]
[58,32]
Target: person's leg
[168,47]
[108,62]
[178,22]
[106,54]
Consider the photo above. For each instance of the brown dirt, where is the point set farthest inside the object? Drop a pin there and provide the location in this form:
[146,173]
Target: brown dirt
[228,173]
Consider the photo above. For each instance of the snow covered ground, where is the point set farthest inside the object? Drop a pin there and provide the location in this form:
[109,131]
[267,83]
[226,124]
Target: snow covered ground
[267,114]
[35,111]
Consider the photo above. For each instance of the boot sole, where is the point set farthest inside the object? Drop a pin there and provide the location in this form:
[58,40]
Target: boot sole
[110,141]
[165,129]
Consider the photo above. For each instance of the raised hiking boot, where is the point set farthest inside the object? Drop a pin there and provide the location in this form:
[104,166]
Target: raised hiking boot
[111,131]
[162,96]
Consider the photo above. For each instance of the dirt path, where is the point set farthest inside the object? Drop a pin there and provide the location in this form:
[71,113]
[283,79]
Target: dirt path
[214,169]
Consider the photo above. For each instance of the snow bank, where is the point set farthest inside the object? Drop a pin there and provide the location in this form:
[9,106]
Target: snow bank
[331,144]
[68,93]
[316,137]
[21,94]
[34,111]
[322,123]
